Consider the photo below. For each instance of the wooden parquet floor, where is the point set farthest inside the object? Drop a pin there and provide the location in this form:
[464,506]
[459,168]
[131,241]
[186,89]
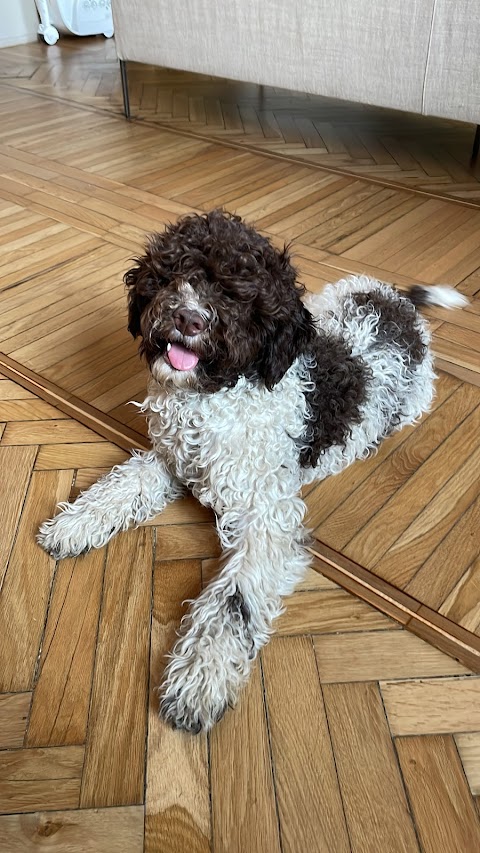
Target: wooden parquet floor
[390,147]
[354,733]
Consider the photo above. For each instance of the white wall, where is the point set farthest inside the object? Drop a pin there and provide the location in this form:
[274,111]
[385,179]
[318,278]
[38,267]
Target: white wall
[18,22]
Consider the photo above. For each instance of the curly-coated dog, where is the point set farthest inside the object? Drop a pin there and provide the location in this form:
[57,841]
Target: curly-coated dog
[253,393]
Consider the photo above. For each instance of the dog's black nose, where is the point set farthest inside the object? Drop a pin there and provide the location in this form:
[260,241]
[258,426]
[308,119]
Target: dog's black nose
[188,322]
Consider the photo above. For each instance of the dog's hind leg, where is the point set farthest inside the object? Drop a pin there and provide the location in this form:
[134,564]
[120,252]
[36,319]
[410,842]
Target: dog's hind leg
[232,619]
[130,494]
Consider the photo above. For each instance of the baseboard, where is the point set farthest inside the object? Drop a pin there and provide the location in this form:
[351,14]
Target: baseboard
[23,38]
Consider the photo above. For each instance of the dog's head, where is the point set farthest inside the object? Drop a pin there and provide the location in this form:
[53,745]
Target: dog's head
[214,300]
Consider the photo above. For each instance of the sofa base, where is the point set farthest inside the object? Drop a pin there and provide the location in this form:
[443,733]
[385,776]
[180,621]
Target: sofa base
[127,113]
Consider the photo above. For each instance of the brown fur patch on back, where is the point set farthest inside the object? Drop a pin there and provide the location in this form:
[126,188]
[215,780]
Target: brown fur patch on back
[397,323]
[339,388]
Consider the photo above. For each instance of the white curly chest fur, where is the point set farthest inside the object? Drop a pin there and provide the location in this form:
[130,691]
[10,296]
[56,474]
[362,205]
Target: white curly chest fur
[216,444]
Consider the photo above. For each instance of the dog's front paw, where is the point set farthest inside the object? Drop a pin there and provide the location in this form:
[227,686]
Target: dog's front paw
[192,714]
[67,535]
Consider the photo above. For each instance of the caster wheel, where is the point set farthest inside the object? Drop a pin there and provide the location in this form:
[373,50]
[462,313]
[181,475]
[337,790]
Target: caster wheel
[108,34]
[51,35]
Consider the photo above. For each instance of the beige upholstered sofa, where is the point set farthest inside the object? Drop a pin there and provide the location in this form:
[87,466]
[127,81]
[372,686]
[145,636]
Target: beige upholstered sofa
[415,55]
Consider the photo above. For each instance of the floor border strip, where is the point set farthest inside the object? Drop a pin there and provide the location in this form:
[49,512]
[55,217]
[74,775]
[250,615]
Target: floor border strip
[445,635]
[91,417]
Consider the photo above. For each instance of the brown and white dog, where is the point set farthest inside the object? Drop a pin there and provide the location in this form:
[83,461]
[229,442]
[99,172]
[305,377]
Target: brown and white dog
[254,392]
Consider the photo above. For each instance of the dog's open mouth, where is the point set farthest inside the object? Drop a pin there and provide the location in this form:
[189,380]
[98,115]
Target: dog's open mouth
[180,357]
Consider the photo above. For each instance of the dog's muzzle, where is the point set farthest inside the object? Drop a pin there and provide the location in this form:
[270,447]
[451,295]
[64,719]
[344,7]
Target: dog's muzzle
[188,323]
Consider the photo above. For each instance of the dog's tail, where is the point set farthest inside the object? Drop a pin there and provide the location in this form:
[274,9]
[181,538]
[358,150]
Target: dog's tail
[439,294]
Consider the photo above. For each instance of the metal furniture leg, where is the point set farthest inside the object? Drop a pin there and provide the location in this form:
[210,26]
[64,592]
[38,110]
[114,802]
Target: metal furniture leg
[126,100]
[476,146]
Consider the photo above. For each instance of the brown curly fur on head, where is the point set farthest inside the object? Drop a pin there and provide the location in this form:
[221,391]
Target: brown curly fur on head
[257,323]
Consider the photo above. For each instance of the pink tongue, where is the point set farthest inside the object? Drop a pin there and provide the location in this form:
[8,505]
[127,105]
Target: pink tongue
[181,358]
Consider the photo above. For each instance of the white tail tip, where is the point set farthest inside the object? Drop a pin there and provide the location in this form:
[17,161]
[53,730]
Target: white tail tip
[439,294]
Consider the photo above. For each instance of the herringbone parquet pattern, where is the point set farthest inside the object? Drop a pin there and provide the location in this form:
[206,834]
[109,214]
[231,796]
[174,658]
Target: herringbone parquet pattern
[352,735]
[425,153]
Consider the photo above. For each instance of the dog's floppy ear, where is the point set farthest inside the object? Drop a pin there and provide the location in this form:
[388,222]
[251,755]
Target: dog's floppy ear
[136,304]
[143,282]
[289,339]
[288,325]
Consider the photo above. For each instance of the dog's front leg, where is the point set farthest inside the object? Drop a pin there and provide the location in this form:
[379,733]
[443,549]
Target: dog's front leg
[232,619]
[130,494]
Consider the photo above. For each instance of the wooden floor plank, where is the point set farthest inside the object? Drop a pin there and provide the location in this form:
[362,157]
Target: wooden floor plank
[86,831]
[376,807]
[437,576]
[379,655]
[310,811]
[21,331]
[462,605]
[432,705]
[16,465]
[14,708]
[70,281]
[95,455]
[33,779]
[328,611]
[243,799]
[428,532]
[53,432]
[62,693]
[184,511]
[101,423]
[447,636]
[114,758]
[177,804]
[63,762]
[444,812]
[398,457]
[38,794]
[27,583]
[27,410]
[191,541]
[468,746]
[10,391]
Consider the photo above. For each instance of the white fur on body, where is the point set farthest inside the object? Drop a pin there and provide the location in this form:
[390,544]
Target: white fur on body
[237,450]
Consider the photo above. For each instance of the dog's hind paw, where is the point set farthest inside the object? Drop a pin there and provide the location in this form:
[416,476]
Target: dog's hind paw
[201,683]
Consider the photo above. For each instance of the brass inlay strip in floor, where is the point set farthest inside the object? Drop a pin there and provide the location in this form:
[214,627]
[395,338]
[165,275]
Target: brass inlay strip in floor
[412,614]
[106,426]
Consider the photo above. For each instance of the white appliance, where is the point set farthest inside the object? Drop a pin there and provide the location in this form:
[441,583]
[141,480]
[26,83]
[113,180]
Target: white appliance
[80,17]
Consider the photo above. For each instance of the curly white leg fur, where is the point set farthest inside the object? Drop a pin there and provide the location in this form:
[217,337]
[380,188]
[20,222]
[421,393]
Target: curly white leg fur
[130,494]
[228,624]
